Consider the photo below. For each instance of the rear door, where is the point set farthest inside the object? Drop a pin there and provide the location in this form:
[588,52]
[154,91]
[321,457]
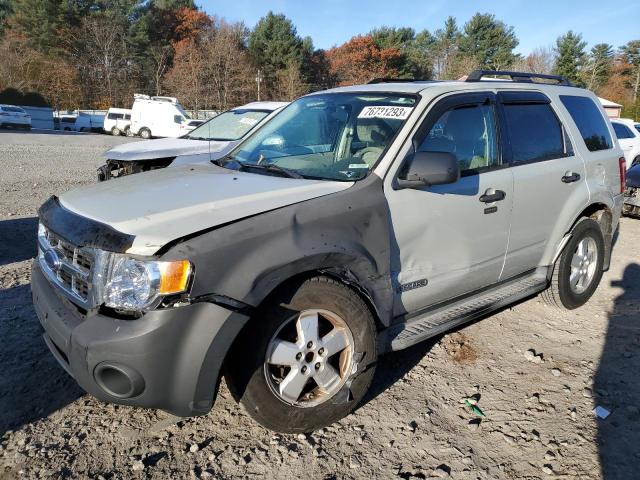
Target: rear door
[549,178]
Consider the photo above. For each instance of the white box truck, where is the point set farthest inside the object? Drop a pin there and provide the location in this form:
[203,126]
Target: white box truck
[158,117]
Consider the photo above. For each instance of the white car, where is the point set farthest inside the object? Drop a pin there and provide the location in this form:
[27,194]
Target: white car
[628,133]
[16,117]
[210,141]
[117,121]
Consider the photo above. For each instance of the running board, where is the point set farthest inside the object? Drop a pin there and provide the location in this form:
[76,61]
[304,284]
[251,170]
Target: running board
[440,319]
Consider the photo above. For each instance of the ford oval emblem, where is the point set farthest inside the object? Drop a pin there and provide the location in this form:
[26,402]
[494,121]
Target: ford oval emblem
[52,260]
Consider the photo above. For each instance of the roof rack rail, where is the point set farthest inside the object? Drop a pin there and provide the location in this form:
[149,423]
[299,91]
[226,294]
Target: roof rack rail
[521,77]
[392,80]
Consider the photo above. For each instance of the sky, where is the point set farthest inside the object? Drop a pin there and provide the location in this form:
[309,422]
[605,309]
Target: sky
[537,23]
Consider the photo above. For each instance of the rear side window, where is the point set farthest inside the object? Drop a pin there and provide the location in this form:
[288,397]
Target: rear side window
[621,131]
[589,121]
[535,132]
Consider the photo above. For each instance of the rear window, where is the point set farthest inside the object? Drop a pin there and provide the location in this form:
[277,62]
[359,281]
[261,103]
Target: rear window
[622,131]
[589,121]
[534,131]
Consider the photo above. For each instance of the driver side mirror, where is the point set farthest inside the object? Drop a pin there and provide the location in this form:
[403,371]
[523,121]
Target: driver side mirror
[430,168]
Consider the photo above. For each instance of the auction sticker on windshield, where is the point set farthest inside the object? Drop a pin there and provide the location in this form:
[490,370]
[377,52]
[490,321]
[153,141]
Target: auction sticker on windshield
[399,113]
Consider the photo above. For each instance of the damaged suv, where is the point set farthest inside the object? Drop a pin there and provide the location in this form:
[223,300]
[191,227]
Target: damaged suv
[359,220]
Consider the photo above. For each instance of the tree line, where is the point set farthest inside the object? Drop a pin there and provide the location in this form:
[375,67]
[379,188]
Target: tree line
[97,53]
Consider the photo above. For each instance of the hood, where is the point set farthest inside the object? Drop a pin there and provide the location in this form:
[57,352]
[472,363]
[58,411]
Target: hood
[633,176]
[163,205]
[163,148]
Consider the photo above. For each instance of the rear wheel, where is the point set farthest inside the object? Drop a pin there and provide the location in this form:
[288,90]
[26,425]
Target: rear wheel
[578,270]
[145,133]
[115,131]
[309,359]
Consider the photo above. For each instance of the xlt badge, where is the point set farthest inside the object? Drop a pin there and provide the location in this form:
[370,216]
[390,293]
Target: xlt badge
[405,287]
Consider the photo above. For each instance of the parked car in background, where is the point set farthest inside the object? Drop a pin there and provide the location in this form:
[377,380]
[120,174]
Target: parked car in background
[209,141]
[118,121]
[89,121]
[631,205]
[158,117]
[628,133]
[65,123]
[14,117]
[356,221]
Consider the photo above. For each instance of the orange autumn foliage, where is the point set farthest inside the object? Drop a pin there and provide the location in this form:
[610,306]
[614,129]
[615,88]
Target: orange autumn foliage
[360,60]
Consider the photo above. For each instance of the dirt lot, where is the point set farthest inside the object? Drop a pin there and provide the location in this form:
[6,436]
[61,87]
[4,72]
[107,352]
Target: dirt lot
[539,405]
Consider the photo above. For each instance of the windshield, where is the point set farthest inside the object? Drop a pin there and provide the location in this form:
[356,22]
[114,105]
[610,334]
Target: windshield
[13,109]
[334,136]
[231,125]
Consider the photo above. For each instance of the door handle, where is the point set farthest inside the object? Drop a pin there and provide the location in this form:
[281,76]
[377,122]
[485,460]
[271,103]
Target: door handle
[492,195]
[570,177]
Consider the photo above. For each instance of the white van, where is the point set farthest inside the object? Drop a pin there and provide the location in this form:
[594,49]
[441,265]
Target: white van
[158,117]
[89,121]
[117,121]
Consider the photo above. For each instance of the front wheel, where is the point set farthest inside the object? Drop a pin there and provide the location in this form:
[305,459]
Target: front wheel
[309,358]
[578,270]
[115,131]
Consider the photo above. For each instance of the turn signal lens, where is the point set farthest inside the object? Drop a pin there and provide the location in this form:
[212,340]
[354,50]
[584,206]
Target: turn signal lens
[174,276]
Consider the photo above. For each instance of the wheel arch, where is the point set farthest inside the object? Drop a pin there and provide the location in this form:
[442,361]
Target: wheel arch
[603,215]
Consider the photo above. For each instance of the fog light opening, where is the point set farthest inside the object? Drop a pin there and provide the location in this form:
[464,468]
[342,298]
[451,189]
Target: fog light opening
[118,380]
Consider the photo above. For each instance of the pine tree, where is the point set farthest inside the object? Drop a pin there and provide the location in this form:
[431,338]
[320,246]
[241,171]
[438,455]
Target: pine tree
[597,67]
[570,56]
[489,42]
[274,43]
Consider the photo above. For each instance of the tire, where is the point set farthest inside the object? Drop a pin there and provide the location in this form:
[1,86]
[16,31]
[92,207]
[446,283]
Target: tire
[115,131]
[251,379]
[560,293]
[127,132]
[145,133]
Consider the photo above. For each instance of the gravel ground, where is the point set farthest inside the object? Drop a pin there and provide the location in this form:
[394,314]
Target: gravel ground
[537,374]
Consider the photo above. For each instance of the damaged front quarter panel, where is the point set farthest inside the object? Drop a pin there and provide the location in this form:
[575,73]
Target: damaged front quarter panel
[345,234]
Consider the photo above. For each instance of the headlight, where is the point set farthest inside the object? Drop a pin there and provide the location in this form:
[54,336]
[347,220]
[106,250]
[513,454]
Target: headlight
[136,284]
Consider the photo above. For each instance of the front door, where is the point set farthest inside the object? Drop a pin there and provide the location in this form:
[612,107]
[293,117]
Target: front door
[449,240]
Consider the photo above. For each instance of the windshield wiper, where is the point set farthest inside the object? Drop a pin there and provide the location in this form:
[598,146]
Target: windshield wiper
[269,167]
[196,138]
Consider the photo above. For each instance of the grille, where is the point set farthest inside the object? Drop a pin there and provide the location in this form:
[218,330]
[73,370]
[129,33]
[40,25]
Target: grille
[73,272]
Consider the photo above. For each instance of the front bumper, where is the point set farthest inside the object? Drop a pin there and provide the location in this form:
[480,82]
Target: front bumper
[172,358]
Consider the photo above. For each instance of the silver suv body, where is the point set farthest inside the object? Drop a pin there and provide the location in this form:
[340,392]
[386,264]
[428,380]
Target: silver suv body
[359,220]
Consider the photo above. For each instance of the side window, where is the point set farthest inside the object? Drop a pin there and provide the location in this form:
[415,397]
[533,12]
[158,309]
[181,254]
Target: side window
[469,132]
[535,132]
[178,118]
[589,121]
[127,116]
[621,131]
